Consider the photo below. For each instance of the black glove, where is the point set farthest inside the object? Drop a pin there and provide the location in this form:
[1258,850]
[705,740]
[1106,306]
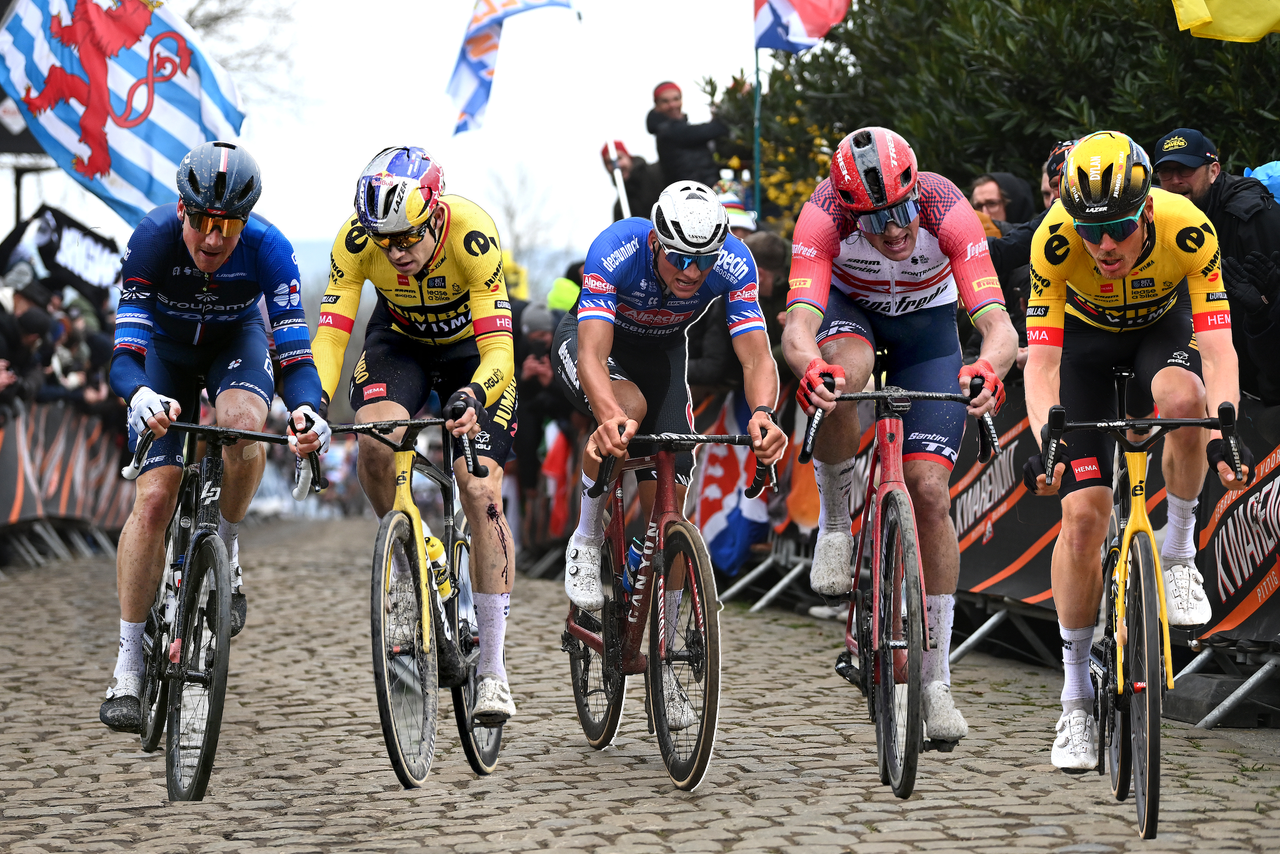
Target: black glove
[1031,471]
[1240,288]
[1217,453]
[466,395]
[1264,275]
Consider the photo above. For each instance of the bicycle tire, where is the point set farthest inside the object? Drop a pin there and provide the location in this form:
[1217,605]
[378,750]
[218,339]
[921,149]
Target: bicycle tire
[405,670]
[197,694]
[684,636]
[1144,666]
[899,733]
[154,696]
[1116,733]
[481,744]
[599,685]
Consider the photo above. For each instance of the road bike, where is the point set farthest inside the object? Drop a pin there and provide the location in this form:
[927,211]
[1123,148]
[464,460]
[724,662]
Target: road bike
[413,655]
[1130,664]
[887,633]
[187,639]
[674,590]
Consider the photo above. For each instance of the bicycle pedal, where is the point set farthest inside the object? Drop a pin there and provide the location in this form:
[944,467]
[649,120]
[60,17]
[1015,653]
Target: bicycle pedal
[940,745]
[847,669]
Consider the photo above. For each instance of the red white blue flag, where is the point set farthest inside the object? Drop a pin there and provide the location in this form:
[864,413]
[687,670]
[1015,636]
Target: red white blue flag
[796,25]
[473,75]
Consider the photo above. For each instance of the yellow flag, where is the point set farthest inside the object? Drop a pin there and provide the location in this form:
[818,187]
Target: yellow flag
[1229,20]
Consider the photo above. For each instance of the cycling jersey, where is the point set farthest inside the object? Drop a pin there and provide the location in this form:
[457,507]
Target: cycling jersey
[458,300]
[1181,246]
[950,258]
[621,286]
[164,296]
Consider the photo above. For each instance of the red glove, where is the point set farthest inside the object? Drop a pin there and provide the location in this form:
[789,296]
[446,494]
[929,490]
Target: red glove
[812,380]
[982,368]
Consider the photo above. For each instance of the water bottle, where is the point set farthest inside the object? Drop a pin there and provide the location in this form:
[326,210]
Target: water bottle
[439,567]
[635,554]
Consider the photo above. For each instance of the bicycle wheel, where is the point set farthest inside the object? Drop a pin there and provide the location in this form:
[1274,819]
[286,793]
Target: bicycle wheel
[599,685]
[901,649]
[154,698]
[405,670]
[684,656]
[480,743]
[198,693]
[1113,710]
[1145,672]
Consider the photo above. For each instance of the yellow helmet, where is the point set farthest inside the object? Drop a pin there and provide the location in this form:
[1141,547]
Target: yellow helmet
[1107,176]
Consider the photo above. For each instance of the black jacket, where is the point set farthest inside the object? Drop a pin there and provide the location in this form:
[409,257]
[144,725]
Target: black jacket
[643,187]
[684,150]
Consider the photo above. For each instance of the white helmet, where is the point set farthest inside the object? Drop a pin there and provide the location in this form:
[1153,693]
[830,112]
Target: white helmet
[690,219]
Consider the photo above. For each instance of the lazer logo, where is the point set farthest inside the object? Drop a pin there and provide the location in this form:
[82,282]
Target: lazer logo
[210,494]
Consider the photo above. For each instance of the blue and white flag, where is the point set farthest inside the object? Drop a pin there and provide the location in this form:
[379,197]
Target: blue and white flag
[796,25]
[473,75]
[117,94]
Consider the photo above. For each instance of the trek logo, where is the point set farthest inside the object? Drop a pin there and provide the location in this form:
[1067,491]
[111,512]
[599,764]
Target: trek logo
[210,494]
[1086,469]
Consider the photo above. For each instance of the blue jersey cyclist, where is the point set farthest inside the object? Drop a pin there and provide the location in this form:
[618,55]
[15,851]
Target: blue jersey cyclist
[620,355]
[193,276]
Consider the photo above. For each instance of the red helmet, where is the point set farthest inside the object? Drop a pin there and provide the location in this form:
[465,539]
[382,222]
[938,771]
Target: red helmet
[873,168]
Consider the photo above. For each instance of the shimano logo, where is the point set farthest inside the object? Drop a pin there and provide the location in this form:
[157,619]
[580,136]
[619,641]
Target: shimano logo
[622,253]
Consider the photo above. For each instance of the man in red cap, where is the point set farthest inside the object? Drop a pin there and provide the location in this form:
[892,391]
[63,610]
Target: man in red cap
[684,150]
[643,180]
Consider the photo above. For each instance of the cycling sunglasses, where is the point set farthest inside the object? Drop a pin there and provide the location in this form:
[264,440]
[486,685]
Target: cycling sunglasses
[682,262]
[1117,229]
[900,214]
[206,222]
[400,240]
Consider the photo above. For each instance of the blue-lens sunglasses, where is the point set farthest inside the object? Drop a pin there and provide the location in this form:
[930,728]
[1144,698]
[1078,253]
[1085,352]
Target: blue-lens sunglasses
[1116,229]
[682,262]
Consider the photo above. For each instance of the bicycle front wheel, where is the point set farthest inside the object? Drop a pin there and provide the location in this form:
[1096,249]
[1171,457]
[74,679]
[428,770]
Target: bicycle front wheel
[684,656]
[200,689]
[599,685]
[1145,672]
[154,698]
[404,661]
[900,655]
[480,743]
[1113,711]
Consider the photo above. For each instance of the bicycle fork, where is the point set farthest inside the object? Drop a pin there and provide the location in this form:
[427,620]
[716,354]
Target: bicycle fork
[208,511]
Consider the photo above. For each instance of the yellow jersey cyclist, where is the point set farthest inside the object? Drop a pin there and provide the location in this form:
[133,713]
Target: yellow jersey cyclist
[1122,274]
[442,322]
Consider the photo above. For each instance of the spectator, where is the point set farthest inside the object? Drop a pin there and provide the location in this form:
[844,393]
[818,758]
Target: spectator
[641,179]
[20,338]
[684,150]
[564,290]
[1247,220]
[773,266]
[741,221]
[1004,197]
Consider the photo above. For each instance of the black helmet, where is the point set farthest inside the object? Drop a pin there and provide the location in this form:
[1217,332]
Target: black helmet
[220,178]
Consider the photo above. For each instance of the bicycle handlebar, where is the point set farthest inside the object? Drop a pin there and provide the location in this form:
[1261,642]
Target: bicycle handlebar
[765,475]
[380,429]
[468,451]
[213,434]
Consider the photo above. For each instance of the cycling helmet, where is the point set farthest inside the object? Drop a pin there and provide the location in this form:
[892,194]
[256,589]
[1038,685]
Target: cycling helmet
[874,168]
[690,219]
[1058,158]
[1107,176]
[398,190]
[219,178]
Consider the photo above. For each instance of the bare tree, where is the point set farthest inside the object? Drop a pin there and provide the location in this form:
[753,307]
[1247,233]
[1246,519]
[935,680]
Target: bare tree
[527,230]
[252,40]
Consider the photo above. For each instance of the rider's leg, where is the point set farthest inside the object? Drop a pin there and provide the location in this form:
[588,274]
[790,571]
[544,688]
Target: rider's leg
[1077,582]
[591,516]
[375,462]
[243,464]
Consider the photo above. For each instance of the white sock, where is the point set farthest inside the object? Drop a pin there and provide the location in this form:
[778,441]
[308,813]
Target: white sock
[835,482]
[1077,687]
[130,656]
[1179,535]
[230,533]
[937,662]
[591,519]
[492,610]
[673,598]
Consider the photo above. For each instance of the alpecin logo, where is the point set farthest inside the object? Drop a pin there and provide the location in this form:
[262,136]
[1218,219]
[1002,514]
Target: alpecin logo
[98,35]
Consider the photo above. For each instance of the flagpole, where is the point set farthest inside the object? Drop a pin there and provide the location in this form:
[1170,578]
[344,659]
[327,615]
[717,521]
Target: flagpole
[755,166]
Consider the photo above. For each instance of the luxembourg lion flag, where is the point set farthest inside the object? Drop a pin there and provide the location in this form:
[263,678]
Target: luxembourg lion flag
[116,91]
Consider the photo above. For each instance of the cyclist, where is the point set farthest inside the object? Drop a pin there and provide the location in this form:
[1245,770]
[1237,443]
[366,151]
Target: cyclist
[881,252]
[442,322]
[1122,274]
[192,280]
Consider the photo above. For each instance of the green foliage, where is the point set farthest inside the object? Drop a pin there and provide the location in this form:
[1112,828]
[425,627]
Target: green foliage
[981,85]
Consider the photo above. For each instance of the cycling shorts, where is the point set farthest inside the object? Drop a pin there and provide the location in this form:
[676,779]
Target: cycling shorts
[1087,383]
[395,367]
[923,354]
[179,370]
[658,372]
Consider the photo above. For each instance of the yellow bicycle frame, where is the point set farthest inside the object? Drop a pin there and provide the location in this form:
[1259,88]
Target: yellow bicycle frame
[404,502]
[1138,521]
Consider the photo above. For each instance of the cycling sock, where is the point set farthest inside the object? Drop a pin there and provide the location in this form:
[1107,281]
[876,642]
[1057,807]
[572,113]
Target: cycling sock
[1077,687]
[835,482]
[492,610]
[672,603]
[591,519]
[230,533]
[1178,536]
[937,663]
[130,656]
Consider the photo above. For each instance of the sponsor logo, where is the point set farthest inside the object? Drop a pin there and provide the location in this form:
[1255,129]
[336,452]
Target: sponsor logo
[250,386]
[1037,311]
[1107,288]
[209,494]
[1219,319]
[288,295]
[1180,358]
[986,284]
[567,364]
[622,253]
[749,293]
[804,250]
[329,299]
[974,250]
[1086,469]
[730,264]
[491,382]
[594,283]
[1038,336]
[926,437]
[653,317]
[995,482]
[477,244]
[1173,143]
[234,364]
[375,390]
[436,282]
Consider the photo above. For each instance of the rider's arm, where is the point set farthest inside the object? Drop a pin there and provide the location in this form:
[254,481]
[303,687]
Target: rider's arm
[340,303]
[143,264]
[816,242]
[280,279]
[1211,317]
[1046,313]
[481,264]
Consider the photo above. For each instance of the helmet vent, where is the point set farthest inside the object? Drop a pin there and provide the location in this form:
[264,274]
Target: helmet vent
[247,190]
[220,185]
[193,180]
[862,139]
[1106,182]
[874,183]
[905,178]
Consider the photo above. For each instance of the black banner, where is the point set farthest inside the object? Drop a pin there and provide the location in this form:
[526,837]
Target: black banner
[74,254]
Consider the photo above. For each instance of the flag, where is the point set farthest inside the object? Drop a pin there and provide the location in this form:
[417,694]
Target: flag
[730,521]
[1228,20]
[796,25]
[115,96]
[473,75]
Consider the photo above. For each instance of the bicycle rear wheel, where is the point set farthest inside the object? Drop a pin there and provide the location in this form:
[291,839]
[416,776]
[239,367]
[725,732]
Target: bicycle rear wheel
[404,662]
[1113,710]
[901,649]
[480,743]
[599,685]
[199,691]
[684,656]
[1145,671]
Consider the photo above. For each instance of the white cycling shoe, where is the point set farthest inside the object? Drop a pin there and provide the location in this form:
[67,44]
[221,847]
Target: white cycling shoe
[942,720]
[582,573]
[1075,749]
[1184,594]
[831,572]
[680,713]
[493,702]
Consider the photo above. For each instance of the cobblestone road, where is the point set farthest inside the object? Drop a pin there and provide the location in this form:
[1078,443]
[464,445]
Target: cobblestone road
[301,765]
